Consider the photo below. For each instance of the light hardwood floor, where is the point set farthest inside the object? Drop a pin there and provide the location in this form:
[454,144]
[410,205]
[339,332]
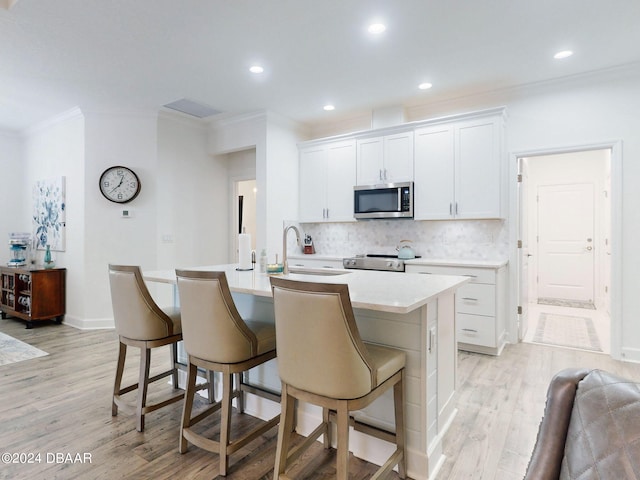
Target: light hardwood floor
[61,403]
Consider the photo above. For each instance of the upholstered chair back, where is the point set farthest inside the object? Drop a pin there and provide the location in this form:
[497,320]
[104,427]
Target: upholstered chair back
[212,328]
[317,340]
[135,313]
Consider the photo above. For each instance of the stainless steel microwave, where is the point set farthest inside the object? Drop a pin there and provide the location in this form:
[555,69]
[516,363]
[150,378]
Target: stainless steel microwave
[390,200]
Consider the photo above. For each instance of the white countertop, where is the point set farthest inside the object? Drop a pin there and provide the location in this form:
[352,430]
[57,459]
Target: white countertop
[372,290]
[457,262]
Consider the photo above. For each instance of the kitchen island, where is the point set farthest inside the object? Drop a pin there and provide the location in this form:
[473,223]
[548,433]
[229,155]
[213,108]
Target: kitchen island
[412,312]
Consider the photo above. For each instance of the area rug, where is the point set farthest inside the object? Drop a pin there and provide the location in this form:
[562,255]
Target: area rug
[567,331]
[13,350]
[558,302]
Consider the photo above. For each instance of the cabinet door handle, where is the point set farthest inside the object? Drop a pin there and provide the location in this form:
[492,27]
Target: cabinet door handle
[456,208]
[469,330]
[450,208]
[327,213]
[380,174]
[425,273]
[470,276]
[470,299]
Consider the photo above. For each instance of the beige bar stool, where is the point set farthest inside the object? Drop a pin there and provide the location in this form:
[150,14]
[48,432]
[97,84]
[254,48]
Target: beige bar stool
[141,323]
[322,360]
[217,338]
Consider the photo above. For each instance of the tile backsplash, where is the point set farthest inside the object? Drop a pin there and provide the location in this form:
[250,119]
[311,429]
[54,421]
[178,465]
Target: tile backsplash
[459,239]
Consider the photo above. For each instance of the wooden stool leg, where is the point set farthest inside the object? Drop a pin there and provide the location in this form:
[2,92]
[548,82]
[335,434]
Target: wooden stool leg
[240,397]
[342,467]
[225,421]
[211,391]
[327,435]
[143,386]
[287,408]
[174,364]
[192,374]
[117,385]
[398,400]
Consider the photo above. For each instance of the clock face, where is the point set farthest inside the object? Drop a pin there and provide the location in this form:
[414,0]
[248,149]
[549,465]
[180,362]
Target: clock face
[119,184]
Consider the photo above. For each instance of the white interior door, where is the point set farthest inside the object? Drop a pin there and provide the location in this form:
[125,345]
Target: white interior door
[565,242]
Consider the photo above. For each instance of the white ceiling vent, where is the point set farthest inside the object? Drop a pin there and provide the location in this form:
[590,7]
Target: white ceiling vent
[193,108]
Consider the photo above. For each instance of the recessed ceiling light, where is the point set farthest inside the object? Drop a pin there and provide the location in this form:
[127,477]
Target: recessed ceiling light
[256,69]
[563,54]
[425,86]
[377,28]
[328,108]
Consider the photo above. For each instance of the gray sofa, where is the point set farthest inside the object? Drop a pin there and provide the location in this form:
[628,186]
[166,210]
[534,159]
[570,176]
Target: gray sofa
[590,428]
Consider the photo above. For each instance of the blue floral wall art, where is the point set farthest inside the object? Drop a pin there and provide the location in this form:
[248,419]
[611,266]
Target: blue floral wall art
[49,213]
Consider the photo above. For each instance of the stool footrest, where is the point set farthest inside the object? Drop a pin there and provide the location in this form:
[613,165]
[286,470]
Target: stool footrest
[372,430]
[261,392]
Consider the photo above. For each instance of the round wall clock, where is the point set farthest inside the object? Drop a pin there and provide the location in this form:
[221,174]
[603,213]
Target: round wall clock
[119,184]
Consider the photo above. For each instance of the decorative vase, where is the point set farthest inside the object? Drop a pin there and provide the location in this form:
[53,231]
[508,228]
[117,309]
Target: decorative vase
[48,261]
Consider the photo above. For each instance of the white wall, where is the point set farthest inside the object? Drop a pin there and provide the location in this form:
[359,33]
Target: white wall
[281,179]
[14,214]
[242,168]
[192,214]
[275,141]
[52,149]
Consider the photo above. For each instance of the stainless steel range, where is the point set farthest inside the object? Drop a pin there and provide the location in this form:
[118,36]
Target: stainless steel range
[388,263]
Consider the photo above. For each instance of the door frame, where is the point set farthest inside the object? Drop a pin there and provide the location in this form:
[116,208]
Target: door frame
[616,235]
[233,216]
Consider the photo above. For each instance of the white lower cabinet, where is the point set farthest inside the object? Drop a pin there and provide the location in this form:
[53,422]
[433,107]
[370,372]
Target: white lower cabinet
[480,306]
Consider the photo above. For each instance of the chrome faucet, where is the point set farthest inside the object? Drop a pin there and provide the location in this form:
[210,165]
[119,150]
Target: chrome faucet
[285,264]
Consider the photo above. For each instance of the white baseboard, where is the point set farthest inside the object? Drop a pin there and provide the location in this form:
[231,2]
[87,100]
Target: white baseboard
[89,324]
[630,355]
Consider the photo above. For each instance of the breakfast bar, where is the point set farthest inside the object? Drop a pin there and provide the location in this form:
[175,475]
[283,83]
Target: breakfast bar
[411,312]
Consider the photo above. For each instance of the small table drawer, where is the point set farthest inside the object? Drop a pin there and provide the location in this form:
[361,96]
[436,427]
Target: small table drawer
[476,299]
[476,329]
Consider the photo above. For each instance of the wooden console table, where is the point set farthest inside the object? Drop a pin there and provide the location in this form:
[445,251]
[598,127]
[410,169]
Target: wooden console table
[33,294]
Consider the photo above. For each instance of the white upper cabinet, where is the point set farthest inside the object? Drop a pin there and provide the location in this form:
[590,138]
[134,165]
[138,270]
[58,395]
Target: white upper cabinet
[327,177]
[458,169]
[434,170]
[385,159]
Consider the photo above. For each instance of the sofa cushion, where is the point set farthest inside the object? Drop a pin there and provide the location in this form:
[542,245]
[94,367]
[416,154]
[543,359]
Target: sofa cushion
[603,440]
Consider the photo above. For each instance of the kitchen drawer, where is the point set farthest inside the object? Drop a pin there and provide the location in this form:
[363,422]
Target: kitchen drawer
[478,275]
[477,299]
[314,263]
[476,330]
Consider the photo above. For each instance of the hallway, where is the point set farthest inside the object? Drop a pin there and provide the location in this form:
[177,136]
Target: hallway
[599,318]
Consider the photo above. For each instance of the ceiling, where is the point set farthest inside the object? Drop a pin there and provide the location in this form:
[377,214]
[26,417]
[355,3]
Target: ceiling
[142,54]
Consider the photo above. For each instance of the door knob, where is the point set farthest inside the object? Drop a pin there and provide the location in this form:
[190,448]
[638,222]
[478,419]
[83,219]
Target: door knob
[589,248]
